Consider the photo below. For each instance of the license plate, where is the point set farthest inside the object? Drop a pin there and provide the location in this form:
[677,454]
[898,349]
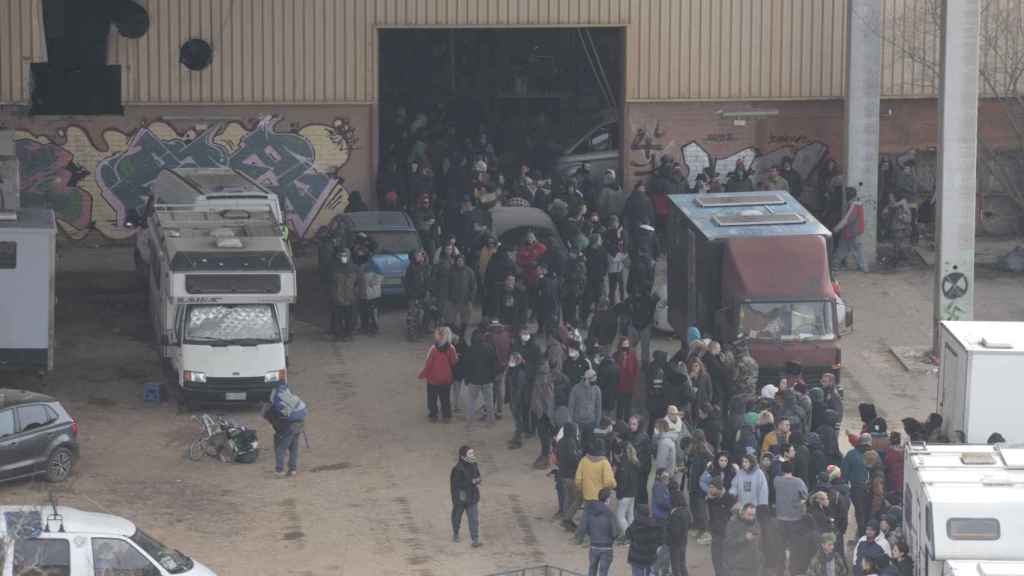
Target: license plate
[234,395]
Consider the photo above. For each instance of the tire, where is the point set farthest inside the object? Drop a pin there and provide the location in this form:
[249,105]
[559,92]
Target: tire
[59,464]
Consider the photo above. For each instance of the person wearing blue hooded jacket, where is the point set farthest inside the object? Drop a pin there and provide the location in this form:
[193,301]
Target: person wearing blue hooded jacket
[286,412]
[600,525]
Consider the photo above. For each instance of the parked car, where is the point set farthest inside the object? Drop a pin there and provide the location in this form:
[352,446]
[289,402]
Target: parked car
[37,436]
[395,235]
[599,148]
[63,540]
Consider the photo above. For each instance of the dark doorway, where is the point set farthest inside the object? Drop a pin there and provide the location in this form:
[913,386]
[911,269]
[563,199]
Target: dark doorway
[548,97]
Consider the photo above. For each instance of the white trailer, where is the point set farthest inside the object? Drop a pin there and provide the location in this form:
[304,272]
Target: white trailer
[979,374]
[976,568]
[963,502]
[27,258]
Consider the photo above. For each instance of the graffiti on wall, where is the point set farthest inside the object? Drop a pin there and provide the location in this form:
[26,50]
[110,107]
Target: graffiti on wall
[806,159]
[96,185]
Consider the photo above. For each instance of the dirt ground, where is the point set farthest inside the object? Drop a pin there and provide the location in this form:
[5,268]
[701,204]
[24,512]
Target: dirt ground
[372,493]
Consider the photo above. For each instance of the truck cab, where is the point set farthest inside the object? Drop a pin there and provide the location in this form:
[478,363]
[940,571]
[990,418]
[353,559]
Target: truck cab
[963,503]
[755,265]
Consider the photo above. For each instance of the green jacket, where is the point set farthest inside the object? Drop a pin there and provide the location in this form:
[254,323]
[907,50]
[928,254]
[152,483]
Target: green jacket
[817,566]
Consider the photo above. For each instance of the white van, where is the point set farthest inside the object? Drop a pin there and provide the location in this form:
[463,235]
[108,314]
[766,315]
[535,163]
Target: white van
[63,541]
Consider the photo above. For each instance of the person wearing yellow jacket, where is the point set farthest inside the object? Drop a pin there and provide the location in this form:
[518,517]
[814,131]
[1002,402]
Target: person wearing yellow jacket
[593,474]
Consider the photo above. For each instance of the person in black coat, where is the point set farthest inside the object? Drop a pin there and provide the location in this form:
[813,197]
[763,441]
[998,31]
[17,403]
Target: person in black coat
[548,301]
[499,268]
[597,270]
[510,303]
[607,379]
[605,326]
[719,503]
[678,532]
[481,366]
[465,487]
[645,535]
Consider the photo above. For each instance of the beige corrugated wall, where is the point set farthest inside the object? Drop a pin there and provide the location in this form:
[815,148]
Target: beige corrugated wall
[324,51]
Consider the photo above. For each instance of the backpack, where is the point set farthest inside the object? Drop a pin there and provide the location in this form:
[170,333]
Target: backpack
[288,404]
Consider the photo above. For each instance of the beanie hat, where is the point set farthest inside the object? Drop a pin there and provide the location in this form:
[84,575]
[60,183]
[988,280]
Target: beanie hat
[692,333]
[834,472]
[828,538]
[865,440]
[716,482]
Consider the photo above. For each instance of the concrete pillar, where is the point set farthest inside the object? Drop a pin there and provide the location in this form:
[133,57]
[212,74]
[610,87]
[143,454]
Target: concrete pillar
[863,92]
[958,160]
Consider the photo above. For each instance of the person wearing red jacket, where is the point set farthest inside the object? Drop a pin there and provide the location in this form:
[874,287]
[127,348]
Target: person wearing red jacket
[528,258]
[894,464]
[629,375]
[437,371]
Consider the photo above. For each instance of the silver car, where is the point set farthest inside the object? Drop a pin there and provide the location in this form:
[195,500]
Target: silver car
[599,148]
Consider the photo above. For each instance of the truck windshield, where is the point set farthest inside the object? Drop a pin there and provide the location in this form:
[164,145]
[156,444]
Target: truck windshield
[787,320]
[172,560]
[232,324]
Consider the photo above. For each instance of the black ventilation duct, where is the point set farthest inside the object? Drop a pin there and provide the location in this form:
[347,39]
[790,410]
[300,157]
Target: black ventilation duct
[76,78]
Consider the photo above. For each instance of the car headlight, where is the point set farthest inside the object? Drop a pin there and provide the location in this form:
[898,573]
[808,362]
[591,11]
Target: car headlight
[276,376]
[197,377]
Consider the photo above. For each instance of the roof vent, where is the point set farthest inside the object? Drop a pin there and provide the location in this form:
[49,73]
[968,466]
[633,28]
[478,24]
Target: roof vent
[986,343]
[977,459]
[757,218]
[229,243]
[744,199]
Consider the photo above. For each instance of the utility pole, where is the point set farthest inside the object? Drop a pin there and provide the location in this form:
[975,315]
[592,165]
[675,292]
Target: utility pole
[861,111]
[958,160]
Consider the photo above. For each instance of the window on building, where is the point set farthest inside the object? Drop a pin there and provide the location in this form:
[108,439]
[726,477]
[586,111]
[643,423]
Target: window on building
[50,556]
[8,255]
[112,556]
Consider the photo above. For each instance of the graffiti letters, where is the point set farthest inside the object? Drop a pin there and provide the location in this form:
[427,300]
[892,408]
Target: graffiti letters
[648,142]
[720,137]
[784,139]
[302,166]
[806,159]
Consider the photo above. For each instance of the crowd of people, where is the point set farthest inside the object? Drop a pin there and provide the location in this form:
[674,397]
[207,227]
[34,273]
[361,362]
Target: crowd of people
[643,448]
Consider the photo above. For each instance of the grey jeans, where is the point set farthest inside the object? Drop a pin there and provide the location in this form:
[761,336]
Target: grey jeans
[473,513]
[287,442]
[600,561]
[474,391]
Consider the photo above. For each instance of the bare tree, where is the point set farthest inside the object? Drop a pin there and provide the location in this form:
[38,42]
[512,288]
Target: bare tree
[916,37]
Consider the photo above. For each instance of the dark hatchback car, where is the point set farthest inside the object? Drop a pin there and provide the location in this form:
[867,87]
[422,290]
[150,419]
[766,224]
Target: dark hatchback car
[37,436]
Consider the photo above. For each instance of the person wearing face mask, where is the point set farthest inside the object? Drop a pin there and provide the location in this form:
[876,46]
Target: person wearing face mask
[465,488]
[528,258]
[344,297]
[607,378]
[511,306]
[438,372]
[576,364]
[548,310]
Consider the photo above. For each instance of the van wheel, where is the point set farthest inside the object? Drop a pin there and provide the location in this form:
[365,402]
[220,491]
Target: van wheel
[59,464]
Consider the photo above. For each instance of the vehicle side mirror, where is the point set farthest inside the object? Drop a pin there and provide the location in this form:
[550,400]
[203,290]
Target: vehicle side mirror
[845,313]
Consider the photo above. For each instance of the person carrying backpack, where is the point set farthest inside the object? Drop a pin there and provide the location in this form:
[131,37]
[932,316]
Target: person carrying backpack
[287,414]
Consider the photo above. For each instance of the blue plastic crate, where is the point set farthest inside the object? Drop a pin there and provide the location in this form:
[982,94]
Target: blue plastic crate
[151,392]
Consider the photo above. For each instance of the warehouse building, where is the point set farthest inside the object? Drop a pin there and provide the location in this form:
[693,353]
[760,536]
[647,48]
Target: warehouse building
[300,95]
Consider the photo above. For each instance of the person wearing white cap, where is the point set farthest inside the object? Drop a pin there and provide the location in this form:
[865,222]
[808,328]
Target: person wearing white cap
[585,402]
[612,198]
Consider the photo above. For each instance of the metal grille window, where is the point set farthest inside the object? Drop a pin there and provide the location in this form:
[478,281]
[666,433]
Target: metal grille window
[972,529]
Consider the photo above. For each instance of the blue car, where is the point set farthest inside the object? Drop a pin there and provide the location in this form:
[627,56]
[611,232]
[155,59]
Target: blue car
[396,238]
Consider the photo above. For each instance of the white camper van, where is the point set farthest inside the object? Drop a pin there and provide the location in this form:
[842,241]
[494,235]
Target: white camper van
[220,281]
[963,502]
[980,368]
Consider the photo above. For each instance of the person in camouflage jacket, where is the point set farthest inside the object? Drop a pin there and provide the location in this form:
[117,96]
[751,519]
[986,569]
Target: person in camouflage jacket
[746,369]
[574,283]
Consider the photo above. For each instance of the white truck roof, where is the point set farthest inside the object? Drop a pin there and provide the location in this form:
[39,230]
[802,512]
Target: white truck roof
[983,568]
[988,337]
[963,487]
[188,232]
[73,519]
